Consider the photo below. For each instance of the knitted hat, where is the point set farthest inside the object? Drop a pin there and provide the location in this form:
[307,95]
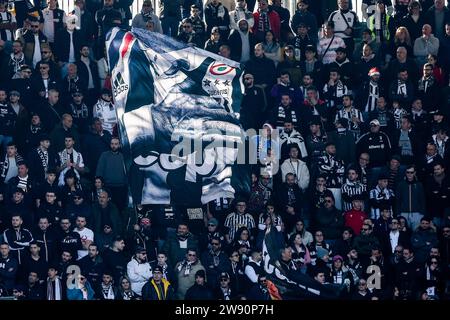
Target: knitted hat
[374,72]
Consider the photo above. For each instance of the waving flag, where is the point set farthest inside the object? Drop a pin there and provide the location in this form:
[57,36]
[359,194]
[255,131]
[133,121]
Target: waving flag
[177,108]
[293,282]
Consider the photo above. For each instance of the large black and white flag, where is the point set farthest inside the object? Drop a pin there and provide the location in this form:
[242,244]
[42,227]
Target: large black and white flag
[294,283]
[177,108]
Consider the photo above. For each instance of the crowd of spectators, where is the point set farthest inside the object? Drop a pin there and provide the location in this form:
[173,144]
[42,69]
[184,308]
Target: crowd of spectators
[360,192]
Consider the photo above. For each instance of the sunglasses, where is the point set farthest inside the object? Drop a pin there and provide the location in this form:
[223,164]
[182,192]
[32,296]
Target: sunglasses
[35,27]
[191,255]
[363,229]
[211,225]
[224,280]
[215,244]
[76,198]
[43,52]
[410,172]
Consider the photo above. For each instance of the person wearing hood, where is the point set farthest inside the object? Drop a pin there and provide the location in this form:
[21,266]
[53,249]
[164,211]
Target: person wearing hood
[344,141]
[303,16]
[241,12]
[241,42]
[68,42]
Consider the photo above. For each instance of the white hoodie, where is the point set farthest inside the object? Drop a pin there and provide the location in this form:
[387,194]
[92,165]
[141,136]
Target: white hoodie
[139,274]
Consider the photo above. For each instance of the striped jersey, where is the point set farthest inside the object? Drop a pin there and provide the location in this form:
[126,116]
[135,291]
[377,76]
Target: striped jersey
[235,221]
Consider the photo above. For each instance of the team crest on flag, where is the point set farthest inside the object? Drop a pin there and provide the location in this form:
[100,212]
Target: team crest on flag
[177,108]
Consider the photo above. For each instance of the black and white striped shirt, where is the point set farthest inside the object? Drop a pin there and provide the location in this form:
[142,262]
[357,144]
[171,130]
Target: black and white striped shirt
[234,221]
[349,190]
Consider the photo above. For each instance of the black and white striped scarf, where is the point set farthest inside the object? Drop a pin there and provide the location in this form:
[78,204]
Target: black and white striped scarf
[263,23]
[372,99]
[43,155]
[54,289]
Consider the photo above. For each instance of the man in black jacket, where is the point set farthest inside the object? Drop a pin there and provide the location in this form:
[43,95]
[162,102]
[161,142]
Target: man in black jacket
[215,262]
[92,265]
[41,159]
[45,237]
[253,105]
[8,268]
[68,42]
[239,40]
[67,240]
[289,200]
[199,291]
[18,238]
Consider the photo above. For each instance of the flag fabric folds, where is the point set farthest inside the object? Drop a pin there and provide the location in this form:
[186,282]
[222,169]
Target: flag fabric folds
[291,283]
[177,107]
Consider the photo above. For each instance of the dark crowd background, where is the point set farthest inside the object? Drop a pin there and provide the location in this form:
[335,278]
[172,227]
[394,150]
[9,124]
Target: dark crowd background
[356,187]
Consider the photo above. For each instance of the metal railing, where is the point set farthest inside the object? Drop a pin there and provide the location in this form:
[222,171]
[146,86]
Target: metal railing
[67,6]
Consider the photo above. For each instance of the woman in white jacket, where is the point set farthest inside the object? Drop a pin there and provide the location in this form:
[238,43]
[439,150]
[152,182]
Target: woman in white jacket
[297,167]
